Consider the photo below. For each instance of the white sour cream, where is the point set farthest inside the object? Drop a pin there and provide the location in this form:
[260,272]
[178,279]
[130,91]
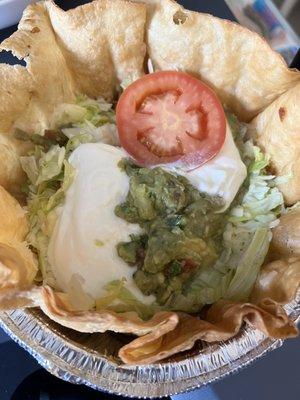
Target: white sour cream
[222,176]
[87,218]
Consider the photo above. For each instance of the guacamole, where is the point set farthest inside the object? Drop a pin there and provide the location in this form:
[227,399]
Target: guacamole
[182,231]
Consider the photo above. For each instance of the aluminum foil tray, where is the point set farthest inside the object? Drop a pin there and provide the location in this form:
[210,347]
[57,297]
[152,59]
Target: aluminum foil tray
[91,359]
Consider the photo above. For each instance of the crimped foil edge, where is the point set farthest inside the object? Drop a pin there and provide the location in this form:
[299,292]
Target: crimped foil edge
[71,362]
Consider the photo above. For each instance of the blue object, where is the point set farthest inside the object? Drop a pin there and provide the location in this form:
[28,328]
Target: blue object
[261,7]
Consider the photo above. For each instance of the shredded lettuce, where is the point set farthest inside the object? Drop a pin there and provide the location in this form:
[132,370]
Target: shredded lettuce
[246,237]
[76,141]
[94,118]
[259,202]
[120,299]
[30,167]
[90,118]
[43,166]
[50,176]
[238,280]
[248,232]
[125,83]
[262,201]
[249,265]
[50,164]
[57,198]
[80,300]
[49,172]
[98,112]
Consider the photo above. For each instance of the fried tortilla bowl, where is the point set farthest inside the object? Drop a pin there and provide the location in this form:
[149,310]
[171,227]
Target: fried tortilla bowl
[91,50]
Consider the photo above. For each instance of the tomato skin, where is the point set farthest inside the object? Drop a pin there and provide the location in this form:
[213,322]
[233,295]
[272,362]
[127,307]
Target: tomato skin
[199,122]
[189,265]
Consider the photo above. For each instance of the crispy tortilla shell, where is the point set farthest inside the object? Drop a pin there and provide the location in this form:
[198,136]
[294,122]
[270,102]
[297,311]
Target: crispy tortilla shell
[59,308]
[279,280]
[101,44]
[223,321]
[45,81]
[18,266]
[245,72]
[12,216]
[277,131]
[18,299]
[286,236]
[11,173]
[15,86]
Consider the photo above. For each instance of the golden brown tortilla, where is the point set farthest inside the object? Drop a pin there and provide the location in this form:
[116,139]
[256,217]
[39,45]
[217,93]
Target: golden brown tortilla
[286,236]
[102,43]
[224,320]
[245,72]
[59,308]
[18,266]
[45,81]
[277,131]
[11,174]
[13,219]
[279,280]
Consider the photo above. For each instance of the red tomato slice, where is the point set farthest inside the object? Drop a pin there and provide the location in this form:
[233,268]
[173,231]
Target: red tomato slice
[168,116]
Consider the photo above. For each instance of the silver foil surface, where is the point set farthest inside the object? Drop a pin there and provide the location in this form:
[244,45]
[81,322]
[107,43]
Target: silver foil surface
[91,359]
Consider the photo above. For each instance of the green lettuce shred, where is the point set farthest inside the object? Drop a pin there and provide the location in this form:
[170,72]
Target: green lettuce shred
[97,112]
[120,299]
[50,164]
[50,175]
[49,172]
[58,197]
[248,267]
[93,118]
[30,167]
[88,119]
[248,232]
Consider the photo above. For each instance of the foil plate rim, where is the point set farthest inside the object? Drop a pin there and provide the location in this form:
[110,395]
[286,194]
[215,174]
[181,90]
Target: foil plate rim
[55,370]
[68,361]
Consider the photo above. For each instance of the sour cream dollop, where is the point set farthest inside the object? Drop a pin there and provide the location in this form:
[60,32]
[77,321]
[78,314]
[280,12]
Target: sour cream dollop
[83,243]
[222,176]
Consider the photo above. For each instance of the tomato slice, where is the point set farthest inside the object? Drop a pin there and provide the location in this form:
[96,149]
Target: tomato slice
[169,116]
